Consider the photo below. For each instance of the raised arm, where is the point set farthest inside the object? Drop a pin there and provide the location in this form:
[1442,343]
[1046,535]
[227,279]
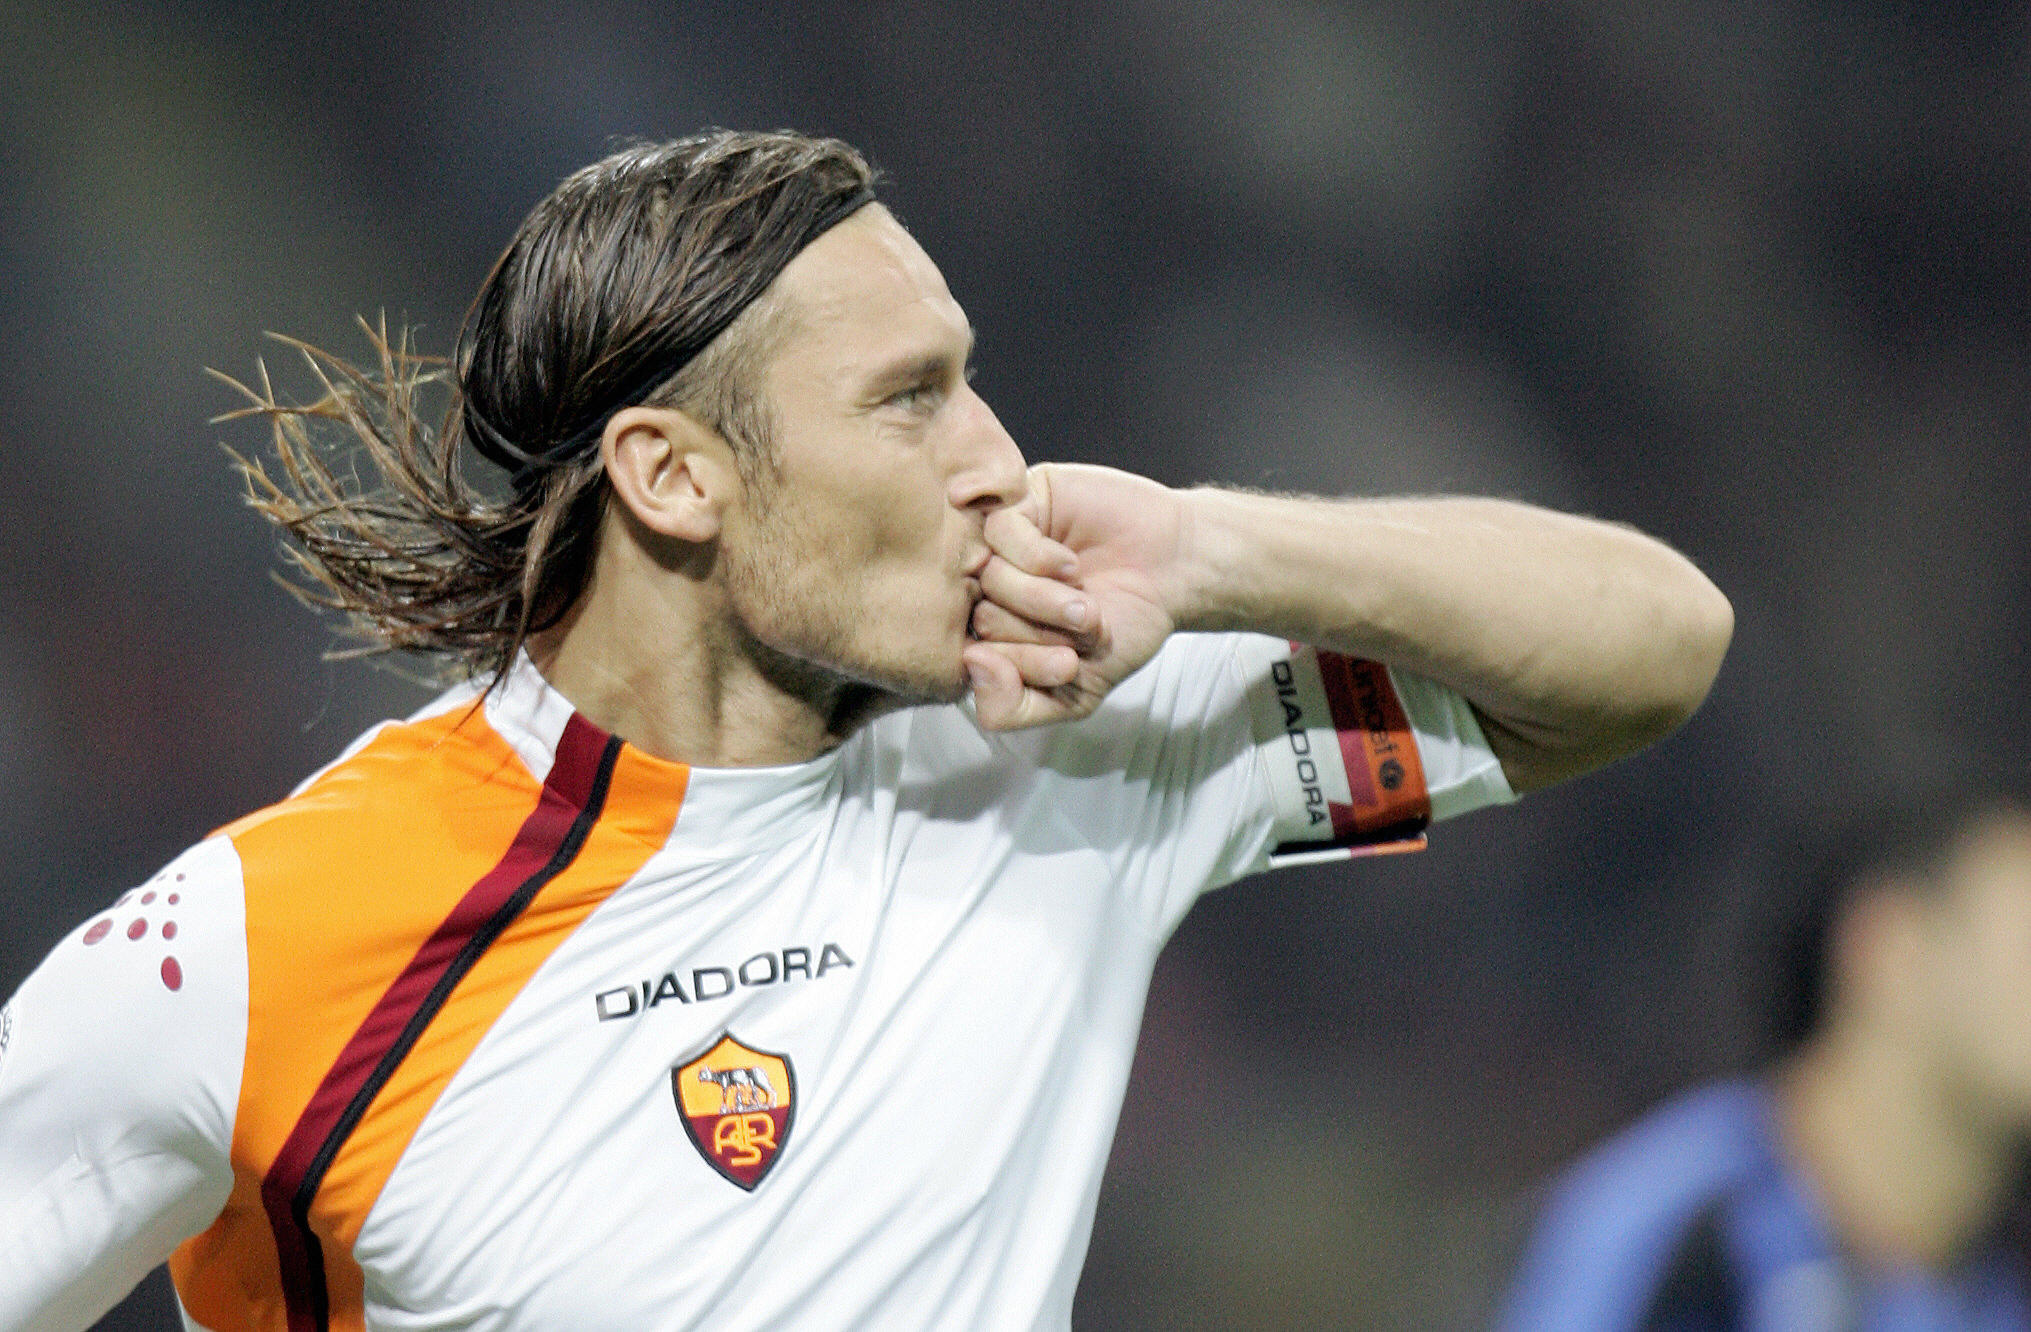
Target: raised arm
[1577,641]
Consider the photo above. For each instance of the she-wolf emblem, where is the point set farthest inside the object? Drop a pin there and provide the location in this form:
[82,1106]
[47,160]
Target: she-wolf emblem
[741,1088]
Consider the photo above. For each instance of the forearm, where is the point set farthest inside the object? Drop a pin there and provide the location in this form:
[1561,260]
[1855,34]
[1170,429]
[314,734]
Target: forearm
[1577,641]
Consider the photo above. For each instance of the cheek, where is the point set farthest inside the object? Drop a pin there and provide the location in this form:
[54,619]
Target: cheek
[861,537]
[2005,968]
[1987,1008]
[849,575]
[886,502]
[892,535]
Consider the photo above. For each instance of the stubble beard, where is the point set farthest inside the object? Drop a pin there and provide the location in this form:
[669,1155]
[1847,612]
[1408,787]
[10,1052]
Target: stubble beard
[802,642]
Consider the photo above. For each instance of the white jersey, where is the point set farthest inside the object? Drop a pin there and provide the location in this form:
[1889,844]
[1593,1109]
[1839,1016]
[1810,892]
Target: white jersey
[500,1023]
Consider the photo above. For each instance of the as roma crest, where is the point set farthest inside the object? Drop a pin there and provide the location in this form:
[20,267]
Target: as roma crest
[736,1104]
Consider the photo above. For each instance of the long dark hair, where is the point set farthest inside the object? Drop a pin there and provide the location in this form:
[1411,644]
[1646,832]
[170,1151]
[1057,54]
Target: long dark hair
[638,280]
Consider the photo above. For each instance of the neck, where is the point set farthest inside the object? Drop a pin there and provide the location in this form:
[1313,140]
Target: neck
[662,663]
[1909,1173]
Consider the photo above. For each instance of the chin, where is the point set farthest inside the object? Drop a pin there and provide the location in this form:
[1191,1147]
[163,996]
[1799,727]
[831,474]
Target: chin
[928,669]
[914,688]
[951,690]
[907,684]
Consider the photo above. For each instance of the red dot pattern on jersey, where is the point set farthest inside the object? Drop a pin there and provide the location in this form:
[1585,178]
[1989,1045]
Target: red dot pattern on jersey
[137,929]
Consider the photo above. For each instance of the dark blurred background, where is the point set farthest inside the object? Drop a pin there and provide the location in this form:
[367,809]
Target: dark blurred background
[1751,276]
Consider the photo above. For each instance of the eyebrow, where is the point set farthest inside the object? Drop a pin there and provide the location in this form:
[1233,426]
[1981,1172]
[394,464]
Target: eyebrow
[916,369]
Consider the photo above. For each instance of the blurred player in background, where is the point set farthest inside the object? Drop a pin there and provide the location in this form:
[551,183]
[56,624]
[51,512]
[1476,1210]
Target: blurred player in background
[726,953]
[1871,1180]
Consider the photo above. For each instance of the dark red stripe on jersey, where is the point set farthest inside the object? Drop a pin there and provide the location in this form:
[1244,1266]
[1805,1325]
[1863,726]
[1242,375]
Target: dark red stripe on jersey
[1347,727]
[549,839]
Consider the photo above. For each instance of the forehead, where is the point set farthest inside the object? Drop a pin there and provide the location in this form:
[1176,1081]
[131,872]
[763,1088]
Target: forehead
[864,293]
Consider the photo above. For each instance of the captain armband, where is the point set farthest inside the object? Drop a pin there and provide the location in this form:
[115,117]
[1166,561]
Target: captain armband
[1342,760]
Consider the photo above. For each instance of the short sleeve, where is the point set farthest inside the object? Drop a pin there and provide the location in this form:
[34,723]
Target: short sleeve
[120,1066]
[1228,754]
[1359,758]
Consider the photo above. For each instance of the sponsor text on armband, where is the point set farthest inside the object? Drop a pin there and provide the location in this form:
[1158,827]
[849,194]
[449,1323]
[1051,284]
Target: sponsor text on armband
[1342,759]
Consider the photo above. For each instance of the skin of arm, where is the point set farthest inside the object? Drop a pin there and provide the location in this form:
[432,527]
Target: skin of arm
[1576,641]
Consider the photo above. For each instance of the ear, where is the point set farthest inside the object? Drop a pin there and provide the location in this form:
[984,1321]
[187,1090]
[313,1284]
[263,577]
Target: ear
[674,473]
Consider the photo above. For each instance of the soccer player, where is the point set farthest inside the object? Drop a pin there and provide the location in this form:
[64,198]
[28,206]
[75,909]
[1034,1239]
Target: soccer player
[760,938]
[1867,1180]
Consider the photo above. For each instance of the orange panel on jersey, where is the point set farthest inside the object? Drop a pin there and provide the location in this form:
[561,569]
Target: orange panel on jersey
[641,806]
[350,885]
[334,913]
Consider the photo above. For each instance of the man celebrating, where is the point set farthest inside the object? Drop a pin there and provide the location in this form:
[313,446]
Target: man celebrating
[727,953]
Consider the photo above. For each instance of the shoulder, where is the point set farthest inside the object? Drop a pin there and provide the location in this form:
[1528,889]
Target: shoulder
[1669,1161]
[450,752]
[143,1006]
[1612,1223]
[348,875]
[401,823]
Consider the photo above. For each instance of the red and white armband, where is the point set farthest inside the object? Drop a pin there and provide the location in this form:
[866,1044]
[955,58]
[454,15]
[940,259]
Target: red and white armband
[1359,758]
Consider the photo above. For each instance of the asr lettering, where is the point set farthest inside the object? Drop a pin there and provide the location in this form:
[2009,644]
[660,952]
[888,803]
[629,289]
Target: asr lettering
[743,1136]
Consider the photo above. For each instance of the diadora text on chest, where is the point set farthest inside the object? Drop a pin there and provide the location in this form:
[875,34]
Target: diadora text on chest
[779,967]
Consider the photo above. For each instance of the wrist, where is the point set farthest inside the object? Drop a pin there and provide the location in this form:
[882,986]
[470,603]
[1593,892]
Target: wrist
[1207,592]
[1314,571]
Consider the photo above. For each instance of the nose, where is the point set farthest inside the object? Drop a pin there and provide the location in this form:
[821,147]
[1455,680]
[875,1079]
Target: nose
[988,472]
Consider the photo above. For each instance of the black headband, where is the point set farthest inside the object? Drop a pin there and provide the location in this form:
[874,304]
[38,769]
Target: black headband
[661,359]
